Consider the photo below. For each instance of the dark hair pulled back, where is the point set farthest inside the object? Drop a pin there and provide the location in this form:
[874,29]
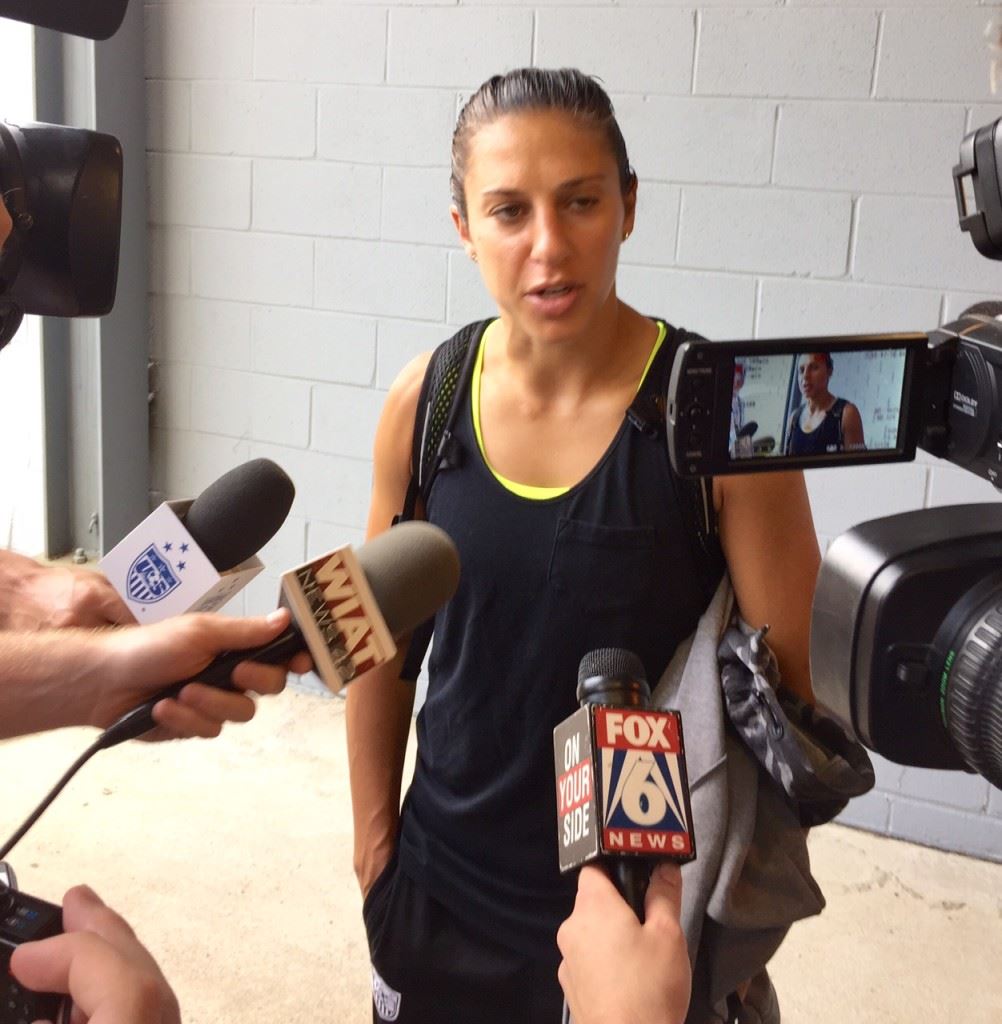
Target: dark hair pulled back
[536,89]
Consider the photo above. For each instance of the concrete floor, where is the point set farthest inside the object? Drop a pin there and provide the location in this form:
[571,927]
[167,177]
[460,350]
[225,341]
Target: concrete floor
[232,858]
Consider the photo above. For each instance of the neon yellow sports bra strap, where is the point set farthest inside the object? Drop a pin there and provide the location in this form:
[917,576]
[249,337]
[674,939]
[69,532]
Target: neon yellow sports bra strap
[662,332]
[527,490]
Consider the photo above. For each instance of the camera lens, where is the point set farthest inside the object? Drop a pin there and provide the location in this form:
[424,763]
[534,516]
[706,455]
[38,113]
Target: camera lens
[971,685]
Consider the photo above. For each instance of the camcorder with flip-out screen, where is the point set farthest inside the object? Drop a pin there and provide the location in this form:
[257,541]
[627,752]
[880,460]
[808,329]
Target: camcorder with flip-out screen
[906,629]
[847,400]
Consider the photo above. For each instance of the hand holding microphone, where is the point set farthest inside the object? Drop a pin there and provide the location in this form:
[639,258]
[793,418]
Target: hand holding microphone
[347,609]
[622,790]
[195,556]
[139,662]
[68,676]
[623,799]
[617,970]
[743,446]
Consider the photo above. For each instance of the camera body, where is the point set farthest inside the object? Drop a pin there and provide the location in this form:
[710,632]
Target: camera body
[962,413]
[25,918]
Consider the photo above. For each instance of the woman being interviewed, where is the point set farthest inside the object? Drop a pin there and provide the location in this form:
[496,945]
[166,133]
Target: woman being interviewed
[823,423]
[571,537]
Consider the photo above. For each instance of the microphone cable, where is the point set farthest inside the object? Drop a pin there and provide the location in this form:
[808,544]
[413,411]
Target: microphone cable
[98,744]
[123,729]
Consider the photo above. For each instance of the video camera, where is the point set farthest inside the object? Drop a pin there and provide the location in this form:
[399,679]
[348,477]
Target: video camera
[906,626]
[62,192]
[23,919]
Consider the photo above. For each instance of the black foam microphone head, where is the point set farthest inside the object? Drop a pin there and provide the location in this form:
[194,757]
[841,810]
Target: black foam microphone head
[236,516]
[612,675]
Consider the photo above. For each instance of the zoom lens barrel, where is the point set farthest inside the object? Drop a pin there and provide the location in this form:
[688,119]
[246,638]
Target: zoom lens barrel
[971,689]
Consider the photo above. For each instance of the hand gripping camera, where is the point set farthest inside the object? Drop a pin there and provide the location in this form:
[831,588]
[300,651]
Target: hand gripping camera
[906,630]
[24,918]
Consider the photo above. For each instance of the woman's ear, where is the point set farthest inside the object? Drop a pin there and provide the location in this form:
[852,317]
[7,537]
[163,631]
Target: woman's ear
[630,206]
[463,230]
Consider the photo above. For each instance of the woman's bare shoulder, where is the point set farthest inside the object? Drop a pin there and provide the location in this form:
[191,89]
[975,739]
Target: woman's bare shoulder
[402,398]
[394,444]
[395,432]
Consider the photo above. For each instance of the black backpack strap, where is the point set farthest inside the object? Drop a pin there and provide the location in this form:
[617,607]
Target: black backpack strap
[449,369]
[838,407]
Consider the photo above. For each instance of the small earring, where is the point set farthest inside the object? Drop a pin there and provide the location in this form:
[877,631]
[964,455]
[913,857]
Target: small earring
[473,256]
[626,235]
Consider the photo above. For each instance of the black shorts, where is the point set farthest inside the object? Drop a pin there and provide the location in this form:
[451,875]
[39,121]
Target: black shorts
[430,968]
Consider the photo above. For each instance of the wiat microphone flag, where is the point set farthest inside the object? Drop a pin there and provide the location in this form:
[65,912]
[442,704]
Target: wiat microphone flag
[333,605]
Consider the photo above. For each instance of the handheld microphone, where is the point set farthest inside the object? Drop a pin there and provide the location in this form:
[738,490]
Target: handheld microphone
[747,430]
[347,608]
[194,556]
[622,789]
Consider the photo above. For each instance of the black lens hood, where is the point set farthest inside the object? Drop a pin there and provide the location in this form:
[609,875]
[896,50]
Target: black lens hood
[64,187]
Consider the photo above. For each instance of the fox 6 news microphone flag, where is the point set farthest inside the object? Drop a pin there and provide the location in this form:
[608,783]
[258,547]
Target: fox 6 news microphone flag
[622,788]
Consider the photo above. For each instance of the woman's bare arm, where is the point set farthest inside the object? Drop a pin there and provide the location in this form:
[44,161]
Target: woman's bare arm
[852,429]
[768,538]
[379,704]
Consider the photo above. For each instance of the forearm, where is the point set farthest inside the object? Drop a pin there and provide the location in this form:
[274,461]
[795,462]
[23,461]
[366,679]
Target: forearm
[57,677]
[772,556]
[377,716]
[51,679]
[14,570]
[42,597]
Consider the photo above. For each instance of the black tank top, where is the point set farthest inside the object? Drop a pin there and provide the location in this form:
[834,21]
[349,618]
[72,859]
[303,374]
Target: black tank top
[610,563]
[825,437]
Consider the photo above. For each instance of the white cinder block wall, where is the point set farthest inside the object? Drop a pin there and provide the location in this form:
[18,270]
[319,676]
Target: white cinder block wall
[794,160]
